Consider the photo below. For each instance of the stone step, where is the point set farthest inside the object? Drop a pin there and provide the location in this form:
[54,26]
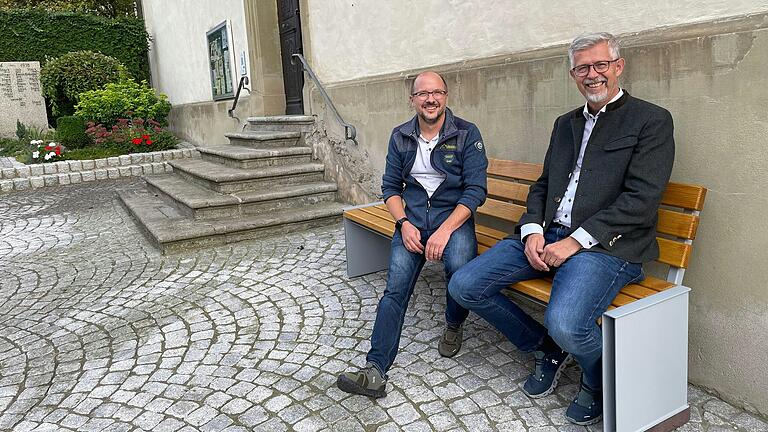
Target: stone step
[294,123]
[224,179]
[266,139]
[201,203]
[247,158]
[170,231]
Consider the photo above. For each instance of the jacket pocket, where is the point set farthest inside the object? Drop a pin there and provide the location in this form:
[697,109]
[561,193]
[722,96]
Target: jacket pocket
[623,142]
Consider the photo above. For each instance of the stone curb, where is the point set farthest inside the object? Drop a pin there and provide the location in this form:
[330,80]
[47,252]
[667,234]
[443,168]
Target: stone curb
[35,176]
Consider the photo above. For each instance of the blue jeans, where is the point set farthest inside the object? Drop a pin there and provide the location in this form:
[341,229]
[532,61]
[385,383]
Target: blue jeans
[582,289]
[404,269]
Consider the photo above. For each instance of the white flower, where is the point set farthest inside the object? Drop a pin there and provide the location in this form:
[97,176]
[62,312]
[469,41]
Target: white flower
[35,154]
[36,142]
[49,155]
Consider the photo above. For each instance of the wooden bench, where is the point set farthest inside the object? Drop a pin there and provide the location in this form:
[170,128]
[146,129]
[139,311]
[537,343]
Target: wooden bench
[645,330]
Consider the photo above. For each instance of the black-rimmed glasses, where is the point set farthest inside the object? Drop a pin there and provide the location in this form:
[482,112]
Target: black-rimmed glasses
[599,67]
[423,95]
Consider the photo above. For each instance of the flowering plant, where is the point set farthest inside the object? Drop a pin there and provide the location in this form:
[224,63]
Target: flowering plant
[131,135]
[41,150]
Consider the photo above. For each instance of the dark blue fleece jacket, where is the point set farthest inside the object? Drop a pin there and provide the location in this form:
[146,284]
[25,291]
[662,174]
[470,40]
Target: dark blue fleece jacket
[459,154]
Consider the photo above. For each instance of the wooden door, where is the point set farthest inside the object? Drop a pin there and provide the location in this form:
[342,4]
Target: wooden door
[290,43]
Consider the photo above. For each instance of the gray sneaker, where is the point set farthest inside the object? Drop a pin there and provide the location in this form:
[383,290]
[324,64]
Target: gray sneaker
[450,342]
[367,382]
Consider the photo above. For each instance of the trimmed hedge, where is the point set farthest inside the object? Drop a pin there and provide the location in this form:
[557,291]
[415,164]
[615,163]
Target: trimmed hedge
[70,131]
[66,77]
[37,35]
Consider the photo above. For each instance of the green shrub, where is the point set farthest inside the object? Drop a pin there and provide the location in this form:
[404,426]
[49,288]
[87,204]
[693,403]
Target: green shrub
[70,131]
[123,100]
[39,35]
[66,77]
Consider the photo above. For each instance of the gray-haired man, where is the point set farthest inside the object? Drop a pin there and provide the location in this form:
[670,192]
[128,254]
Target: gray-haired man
[590,223]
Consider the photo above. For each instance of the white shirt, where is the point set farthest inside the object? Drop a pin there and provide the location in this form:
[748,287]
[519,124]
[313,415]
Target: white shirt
[564,210]
[422,169]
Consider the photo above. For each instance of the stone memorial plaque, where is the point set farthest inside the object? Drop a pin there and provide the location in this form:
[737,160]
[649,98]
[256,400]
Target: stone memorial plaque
[21,97]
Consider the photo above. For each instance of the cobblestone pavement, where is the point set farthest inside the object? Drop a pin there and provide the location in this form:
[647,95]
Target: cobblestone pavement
[98,331]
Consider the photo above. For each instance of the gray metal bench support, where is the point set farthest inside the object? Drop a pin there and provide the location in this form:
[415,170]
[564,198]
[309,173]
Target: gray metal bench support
[645,363]
[367,250]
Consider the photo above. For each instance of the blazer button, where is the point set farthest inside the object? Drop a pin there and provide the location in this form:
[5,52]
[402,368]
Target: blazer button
[557,199]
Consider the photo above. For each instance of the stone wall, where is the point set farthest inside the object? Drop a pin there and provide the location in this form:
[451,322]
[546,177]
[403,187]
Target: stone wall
[23,177]
[712,77]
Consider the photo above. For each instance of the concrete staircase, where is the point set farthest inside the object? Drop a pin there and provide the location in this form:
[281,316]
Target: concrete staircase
[263,183]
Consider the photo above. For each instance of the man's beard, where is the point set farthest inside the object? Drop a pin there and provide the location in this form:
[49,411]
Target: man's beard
[596,97]
[423,116]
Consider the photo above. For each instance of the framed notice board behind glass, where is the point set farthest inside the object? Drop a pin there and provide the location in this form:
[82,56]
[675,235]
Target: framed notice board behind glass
[221,60]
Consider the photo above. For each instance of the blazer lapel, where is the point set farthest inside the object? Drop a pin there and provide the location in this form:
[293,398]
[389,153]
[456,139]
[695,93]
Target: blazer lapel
[577,126]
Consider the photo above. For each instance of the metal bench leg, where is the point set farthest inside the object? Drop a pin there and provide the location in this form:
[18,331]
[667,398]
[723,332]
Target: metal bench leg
[367,251]
[645,363]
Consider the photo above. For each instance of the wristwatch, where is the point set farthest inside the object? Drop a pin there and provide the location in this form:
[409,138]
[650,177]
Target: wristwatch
[399,223]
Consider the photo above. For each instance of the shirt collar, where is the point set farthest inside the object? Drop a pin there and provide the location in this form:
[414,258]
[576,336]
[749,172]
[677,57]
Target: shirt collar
[587,115]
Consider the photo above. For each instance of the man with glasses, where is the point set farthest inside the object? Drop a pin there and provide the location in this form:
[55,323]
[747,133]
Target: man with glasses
[590,223]
[433,182]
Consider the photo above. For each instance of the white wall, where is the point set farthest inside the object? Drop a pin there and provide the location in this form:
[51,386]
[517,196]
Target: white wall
[178,50]
[381,37]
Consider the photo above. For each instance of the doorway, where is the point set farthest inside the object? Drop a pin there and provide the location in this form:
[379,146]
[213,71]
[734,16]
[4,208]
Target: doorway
[290,43]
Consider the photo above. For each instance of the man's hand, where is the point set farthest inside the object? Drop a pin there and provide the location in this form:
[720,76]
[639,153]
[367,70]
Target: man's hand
[436,244]
[534,247]
[411,238]
[556,253]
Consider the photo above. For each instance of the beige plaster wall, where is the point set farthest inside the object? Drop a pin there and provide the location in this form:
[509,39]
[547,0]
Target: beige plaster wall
[712,78]
[396,35]
[179,48]
[179,61]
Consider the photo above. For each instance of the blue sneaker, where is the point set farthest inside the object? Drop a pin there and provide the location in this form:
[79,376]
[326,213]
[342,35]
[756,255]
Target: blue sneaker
[548,368]
[587,408]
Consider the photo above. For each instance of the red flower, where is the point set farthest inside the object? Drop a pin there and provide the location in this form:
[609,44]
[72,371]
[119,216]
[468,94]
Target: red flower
[149,142]
[48,148]
[146,137]
[136,141]
[57,150]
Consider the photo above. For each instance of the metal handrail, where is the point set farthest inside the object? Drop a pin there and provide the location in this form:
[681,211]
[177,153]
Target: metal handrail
[243,83]
[350,132]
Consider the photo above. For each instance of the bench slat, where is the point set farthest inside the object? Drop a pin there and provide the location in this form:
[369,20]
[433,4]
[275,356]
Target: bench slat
[507,190]
[673,253]
[687,196]
[514,169]
[501,209]
[677,224]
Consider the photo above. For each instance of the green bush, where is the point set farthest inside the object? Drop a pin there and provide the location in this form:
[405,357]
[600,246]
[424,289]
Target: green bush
[66,77]
[70,131]
[123,100]
[39,35]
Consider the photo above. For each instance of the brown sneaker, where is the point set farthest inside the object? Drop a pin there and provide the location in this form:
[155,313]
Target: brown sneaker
[450,342]
[367,382]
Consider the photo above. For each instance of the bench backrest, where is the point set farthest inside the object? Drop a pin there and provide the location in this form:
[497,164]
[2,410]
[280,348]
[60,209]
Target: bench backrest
[508,183]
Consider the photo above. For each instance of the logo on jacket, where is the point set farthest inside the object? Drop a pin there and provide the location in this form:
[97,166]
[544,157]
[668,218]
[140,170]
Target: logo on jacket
[448,158]
[479,145]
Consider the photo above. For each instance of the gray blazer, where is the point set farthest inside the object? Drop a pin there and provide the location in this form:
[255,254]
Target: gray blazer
[624,172]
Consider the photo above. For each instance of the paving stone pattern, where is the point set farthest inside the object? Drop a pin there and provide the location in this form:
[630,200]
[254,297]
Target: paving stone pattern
[98,331]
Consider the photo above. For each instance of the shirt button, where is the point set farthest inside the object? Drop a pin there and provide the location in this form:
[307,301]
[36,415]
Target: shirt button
[557,199]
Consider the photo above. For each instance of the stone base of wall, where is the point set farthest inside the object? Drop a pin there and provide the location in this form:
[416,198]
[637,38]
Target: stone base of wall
[35,176]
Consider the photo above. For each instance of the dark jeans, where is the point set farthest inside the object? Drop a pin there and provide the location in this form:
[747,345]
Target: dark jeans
[404,269]
[582,289]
